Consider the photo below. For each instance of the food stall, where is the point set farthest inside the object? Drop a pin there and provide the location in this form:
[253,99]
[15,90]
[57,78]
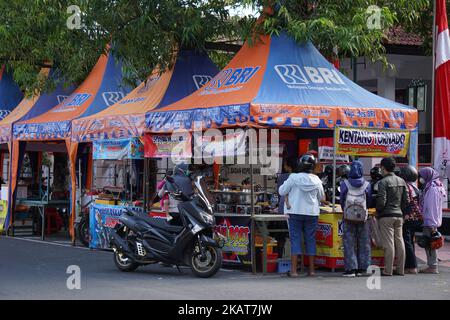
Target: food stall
[52,125]
[124,121]
[263,88]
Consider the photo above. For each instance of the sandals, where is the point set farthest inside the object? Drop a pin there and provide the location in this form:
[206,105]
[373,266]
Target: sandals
[290,275]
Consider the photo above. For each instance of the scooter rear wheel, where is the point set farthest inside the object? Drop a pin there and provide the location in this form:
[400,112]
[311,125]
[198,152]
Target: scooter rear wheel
[124,264]
[83,231]
[207,266]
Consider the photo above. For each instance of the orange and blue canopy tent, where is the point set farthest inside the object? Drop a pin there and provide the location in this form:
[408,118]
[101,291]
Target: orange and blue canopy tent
[280,83]
[10,93]
[33,106]
[126,118]
[101,89]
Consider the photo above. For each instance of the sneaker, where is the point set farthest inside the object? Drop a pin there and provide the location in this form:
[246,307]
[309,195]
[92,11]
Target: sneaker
[429,270]
[349,274]
[411,271]
[362,273]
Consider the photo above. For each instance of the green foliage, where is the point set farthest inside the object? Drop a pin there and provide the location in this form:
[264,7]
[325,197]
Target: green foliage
[342,26]
[144,34]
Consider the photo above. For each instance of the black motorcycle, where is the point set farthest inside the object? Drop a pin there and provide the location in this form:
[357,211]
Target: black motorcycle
[141,240]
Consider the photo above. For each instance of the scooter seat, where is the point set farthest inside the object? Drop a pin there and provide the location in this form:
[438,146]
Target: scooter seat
[160,223]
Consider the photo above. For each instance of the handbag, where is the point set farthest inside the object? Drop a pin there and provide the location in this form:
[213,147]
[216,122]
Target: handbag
[375,234]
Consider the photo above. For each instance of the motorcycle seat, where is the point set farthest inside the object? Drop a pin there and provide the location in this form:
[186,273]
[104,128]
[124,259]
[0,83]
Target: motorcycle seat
[160,223]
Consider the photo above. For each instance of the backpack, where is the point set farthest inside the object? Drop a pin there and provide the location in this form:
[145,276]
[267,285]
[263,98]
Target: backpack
[355,207]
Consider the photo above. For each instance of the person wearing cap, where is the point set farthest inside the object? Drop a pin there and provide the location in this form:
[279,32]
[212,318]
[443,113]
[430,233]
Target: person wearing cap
[305,191]
[392,199]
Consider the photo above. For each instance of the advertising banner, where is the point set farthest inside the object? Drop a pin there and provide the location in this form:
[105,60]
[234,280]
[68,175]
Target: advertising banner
[168,145]
[237,248]
[372,142]
[3,211]
[330,243]
[103,218]
[118,149]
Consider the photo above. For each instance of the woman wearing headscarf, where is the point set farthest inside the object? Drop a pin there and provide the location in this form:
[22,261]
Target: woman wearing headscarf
[433,196]
[357,250]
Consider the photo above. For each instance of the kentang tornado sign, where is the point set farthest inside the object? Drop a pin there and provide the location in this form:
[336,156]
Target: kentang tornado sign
[372,142]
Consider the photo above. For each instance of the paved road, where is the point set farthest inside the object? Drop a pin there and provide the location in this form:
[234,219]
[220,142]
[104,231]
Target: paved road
[34,270]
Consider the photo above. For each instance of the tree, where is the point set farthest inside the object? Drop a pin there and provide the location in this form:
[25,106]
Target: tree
[347,28]
[144,33]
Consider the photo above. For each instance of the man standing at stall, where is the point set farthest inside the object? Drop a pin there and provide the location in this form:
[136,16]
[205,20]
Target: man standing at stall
[392,199]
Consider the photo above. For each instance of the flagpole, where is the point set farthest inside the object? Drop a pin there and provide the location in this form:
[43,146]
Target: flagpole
[433,85]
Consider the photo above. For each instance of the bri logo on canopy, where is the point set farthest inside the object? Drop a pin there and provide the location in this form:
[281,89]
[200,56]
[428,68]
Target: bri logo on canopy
[201,80]
[231,77]
[73,101]
[292,74]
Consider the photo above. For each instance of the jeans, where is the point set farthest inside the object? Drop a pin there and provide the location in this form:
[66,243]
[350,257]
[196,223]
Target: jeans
[432,260]
[409,230]
[357,246]
[302,227]
[391,230]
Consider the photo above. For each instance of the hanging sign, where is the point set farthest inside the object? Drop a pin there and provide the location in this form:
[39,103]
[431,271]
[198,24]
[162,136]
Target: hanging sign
[372,142]
[168,145]
[118,149]
[216,146]
[326,151]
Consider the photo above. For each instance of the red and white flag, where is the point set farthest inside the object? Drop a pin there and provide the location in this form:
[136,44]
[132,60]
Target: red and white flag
[442,92]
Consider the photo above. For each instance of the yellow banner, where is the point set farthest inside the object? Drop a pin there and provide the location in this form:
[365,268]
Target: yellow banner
[3,210]
[372,142]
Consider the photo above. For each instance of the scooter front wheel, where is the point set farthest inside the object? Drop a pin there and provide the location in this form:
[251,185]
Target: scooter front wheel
[206,266]
[123,263]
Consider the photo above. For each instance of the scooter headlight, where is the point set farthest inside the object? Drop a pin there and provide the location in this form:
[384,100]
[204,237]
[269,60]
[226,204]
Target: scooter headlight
[207,217]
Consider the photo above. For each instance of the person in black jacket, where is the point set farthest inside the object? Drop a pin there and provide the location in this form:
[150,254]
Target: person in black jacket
[392,199]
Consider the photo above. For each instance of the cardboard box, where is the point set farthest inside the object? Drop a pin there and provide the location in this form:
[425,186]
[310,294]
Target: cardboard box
[107,202]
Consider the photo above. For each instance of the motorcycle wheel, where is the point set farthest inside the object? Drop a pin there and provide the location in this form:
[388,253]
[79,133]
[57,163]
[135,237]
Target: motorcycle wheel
[208,266]
[124,264]
[83,231]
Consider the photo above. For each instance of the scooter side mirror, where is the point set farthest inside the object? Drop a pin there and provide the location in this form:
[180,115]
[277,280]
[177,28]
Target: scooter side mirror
[170,179]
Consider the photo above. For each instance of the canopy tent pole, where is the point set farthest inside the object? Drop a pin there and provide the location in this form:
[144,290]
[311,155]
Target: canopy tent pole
[80,175]
[334,169]
[253,225]
[15,164]
[433,82]
[72,148]
[146,185]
